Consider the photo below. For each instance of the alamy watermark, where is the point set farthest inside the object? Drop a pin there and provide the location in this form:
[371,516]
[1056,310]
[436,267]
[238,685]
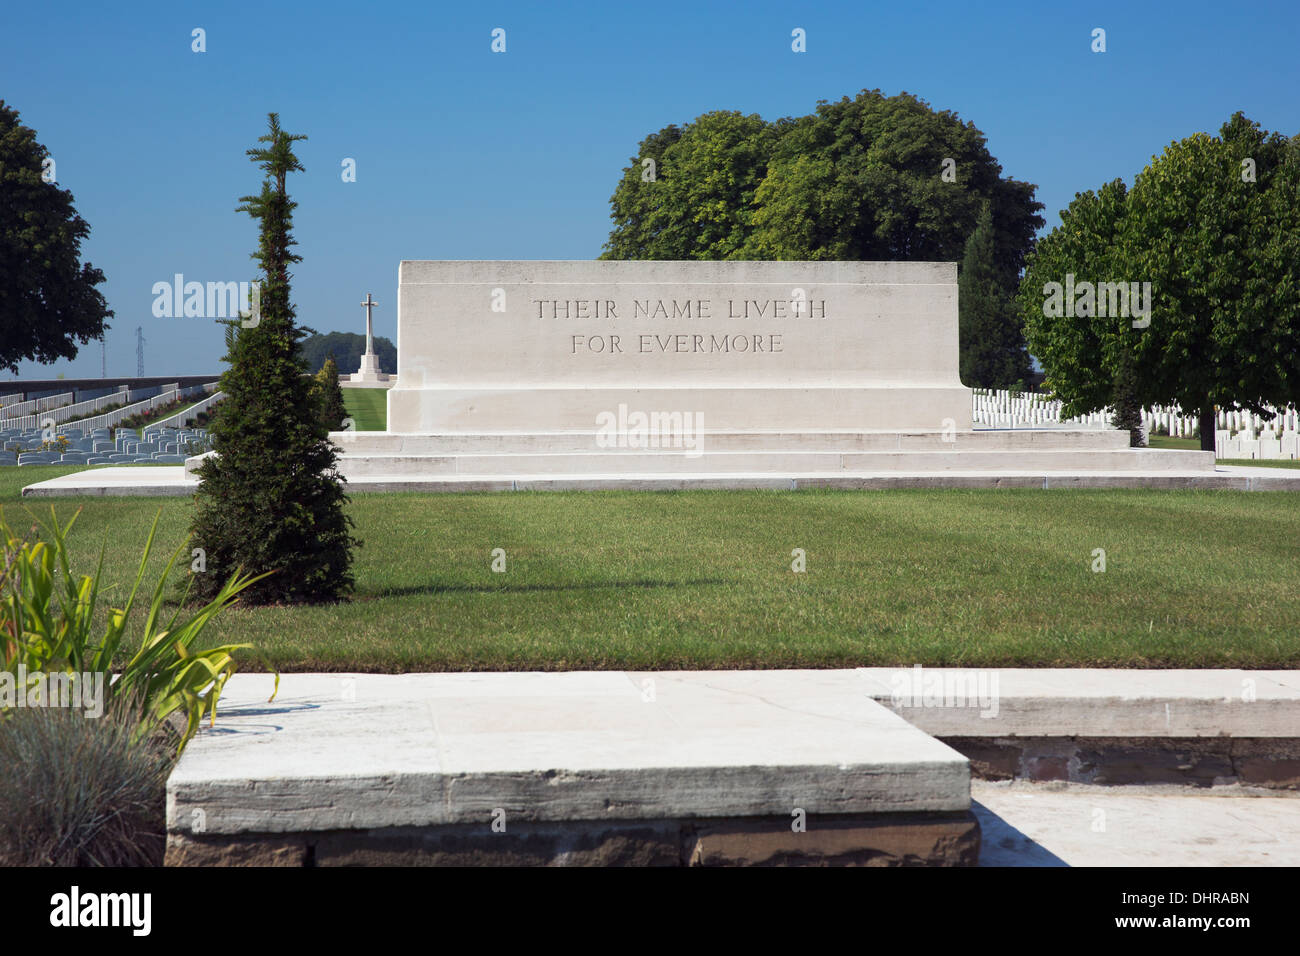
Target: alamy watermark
[946,687]
[624,429]
[1101,299]
[83,691]
[212,300]
[105,909]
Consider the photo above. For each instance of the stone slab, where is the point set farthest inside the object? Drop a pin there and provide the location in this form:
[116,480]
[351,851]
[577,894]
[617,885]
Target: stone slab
[117,480]
[820,440]
[335,752]
[777,463]
[1074,702]
[167,481]
[1074,825]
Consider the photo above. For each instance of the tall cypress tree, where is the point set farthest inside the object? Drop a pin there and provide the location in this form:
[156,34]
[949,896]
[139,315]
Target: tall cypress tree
[991,340]
[1128,413]
[271,498]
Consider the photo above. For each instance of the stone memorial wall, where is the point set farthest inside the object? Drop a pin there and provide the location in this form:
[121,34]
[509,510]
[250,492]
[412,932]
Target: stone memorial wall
[544,346]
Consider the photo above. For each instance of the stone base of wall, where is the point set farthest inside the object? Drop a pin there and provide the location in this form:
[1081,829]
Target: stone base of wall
[1191,761]
[889,839]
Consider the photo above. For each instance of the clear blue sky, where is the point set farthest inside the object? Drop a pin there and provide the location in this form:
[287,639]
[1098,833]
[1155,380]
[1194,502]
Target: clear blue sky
[466,154]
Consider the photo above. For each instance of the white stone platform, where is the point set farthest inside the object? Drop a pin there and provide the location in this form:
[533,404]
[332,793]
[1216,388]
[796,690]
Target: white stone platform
[151,481]
[354,769]
[337,752]
[1092,702]
[757,454]
[177,482]
[764,459]
[1037,825]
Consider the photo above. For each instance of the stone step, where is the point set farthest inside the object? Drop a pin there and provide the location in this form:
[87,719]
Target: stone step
[181,482]
[669,768]
[773,462]
[386,443]
[1198,728]
[1092,702]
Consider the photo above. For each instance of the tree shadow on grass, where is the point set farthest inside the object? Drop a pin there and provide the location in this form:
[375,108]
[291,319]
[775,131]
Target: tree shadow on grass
[436,589]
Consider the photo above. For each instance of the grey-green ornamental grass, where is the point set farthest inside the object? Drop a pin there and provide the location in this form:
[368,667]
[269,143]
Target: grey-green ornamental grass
[702,579]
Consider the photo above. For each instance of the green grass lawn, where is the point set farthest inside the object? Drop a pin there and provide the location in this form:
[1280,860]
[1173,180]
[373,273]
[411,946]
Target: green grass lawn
[1182,444]
[369,406]
[702,579]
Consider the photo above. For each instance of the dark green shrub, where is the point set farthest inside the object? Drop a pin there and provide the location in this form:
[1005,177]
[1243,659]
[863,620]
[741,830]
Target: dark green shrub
[329,396]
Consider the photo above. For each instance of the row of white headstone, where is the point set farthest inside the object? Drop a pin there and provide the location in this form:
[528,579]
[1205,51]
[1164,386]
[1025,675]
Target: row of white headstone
[99,446]
[1000,408]
[1238,434]
[58,417]
[1267,444]
[60,408]
[32,406]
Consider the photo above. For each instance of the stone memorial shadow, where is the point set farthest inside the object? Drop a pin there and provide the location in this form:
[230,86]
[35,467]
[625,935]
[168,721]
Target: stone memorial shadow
[1001,844]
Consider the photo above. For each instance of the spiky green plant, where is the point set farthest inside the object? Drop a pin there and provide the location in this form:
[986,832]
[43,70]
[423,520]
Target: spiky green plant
[47,624]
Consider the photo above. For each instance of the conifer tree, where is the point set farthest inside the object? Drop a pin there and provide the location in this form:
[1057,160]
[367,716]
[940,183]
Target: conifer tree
[992,343]
[1128,413]
[271,498]
[329,396]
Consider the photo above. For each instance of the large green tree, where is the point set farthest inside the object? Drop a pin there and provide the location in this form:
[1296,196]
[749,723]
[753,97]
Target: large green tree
[869,178]
[48,298]
[1213,224]
[695,197]
[1078,352]
[271,498]
[888,178]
